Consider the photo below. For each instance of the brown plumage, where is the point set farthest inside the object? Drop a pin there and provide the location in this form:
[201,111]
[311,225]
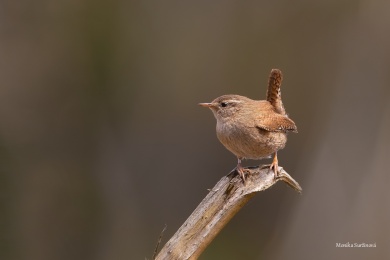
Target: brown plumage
[253,129]
[274,95]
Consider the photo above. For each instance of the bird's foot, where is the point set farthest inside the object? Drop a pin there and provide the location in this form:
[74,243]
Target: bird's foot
[274,165]
[241,171]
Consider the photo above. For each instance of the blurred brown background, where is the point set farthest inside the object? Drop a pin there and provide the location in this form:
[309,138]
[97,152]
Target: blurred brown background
[102,142]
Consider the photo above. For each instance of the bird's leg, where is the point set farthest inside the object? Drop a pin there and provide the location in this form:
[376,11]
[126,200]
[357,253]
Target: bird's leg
[275,165]
[240,170]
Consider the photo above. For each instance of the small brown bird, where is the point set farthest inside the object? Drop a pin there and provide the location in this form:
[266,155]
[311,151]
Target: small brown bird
[253,129]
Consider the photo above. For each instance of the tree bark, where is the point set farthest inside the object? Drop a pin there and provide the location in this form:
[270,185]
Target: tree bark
[227,197]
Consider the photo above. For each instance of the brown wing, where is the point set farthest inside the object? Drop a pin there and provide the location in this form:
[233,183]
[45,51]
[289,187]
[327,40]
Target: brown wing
[274,95]
[276,123]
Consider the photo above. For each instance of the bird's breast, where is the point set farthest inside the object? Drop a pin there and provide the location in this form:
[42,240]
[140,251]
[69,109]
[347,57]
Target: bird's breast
[249,142]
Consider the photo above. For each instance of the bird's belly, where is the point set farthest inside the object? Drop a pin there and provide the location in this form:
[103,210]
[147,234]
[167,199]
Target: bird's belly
[251,143]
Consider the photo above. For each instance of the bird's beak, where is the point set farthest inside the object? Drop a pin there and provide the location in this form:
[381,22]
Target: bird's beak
[209,105]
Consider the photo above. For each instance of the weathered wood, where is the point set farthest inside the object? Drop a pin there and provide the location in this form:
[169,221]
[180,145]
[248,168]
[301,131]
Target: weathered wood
[222,202]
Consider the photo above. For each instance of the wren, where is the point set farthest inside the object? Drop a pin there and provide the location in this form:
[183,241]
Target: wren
[253,129]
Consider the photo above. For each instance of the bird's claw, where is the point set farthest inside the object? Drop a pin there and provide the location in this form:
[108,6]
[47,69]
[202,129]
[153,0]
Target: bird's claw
[274,165]
[240,170]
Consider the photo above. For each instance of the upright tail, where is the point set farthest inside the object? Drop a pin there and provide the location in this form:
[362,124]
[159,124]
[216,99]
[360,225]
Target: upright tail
[274,95]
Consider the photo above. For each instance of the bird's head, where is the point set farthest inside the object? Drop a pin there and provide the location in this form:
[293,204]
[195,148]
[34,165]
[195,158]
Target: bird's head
[227,106]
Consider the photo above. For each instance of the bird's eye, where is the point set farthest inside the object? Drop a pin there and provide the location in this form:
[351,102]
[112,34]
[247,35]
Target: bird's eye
[224,104]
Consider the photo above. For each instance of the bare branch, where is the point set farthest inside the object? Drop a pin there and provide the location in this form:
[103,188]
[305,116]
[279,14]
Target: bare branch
[227,197]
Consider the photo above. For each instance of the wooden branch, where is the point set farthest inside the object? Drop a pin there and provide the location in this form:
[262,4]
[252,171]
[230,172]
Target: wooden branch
[223,201]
